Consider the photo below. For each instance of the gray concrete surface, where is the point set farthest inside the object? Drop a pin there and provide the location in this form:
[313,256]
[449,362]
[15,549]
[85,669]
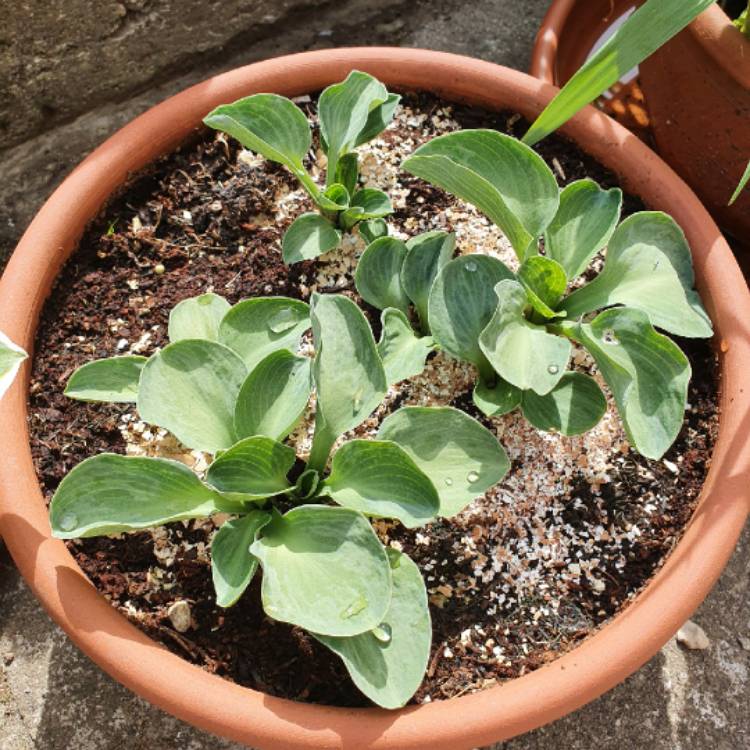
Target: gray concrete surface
[73,71]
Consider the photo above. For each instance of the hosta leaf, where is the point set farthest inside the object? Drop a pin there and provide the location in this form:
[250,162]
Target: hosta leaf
[582,225]
[426,254]
[268,124]
[403,352]
[256,327]
[646,371]
[574,405]
[522,353]
[378,274]
[367,203]
[307,484]
[273,396]
[253,469]
[544,281]
[11,358]
[372,229]
[325,570]
[109,493]
[649,267]
[344,109]
[232,565]
[462,302]
[309,236]
[348,373]
[387,664]
[378,478]
[378,120]
[334,198]
[114,379]
[190,389]
[461,457]
[197,318]
[497,398]
[498,174]
[347,172]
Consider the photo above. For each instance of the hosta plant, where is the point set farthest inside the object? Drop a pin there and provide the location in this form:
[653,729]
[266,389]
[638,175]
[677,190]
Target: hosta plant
[11,359]
[231,383]
[350,113]
[518,329]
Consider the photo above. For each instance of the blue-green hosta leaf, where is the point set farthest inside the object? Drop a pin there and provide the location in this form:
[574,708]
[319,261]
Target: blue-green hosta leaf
[522,353]
[109,493]
[307,484]
[498,174]
[197,318]
[347,172]
[544,281]
[462,302]
[387,664]
[11,359]
[325,570]
[252,469]
[497,398]
[372,229]
[646,371]
[273,396]
[256,327]
[378,478]
[403,352]
[309,236]
[190,389]
[582,225]
[426,254]
[344,110]
[461,457]
[114,379]
[574,405]
[334,198]
[347,369]
[232,565]
[270,125]
[378,120]
[653,23]
[378,274]
[649,267]
[367,203]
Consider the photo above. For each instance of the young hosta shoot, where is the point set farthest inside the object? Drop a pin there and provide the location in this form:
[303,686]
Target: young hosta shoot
[231,383]
[518,329]
[11,359]
[351,113]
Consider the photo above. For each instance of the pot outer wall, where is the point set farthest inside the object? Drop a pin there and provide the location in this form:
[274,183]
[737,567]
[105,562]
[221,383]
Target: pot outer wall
[500,712]
[697,89]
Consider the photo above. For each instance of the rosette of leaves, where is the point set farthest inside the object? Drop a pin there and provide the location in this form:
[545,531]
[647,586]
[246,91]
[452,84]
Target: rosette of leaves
[231,383]
[351,113]
[518,328]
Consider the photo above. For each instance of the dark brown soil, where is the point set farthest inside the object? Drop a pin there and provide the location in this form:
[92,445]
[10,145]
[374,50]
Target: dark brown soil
[113,289]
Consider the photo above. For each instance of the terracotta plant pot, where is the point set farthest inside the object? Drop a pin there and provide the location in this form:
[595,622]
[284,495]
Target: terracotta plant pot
[227,709]
[697,89]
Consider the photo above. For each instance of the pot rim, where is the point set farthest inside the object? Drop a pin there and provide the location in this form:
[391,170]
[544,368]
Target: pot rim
[713,30]
[497,713]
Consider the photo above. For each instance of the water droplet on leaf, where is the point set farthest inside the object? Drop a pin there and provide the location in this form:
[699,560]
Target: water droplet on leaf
[472,477]
[470,266]
[354,608]
[553,369]
[382,632]
[283,320]
[357,400]
[449,481]
[68,521]
[609,337]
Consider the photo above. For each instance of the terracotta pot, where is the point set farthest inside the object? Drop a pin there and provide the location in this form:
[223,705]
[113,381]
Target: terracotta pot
[227,709]
[697,89]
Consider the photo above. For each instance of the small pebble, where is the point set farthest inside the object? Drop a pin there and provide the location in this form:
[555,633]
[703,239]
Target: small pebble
[8,658]
[159,269]
[693,636]
[744,642]
[179,616]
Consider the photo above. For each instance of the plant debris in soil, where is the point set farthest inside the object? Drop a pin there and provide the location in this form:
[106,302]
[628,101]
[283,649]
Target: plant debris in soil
[571,535]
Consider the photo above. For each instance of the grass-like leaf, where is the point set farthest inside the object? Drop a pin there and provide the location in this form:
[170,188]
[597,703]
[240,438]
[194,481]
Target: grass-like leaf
[309,236]
[650,26]
[114,380]
[109,493]
[197,318]
[325,570]
[743,181]
[11,359]
[387,664]
[403,352]
[378,274]
[378,478]
[462,458]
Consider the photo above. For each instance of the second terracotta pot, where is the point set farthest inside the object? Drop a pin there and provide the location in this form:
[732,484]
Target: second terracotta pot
[697,89]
